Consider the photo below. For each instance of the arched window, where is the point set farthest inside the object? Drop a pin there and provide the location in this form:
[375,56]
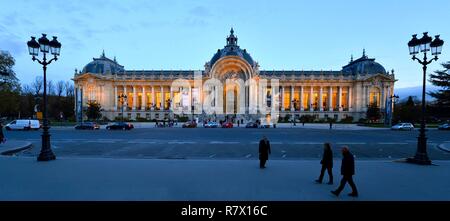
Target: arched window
[374,96]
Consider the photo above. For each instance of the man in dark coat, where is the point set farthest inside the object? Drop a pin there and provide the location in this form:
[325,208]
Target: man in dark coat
[327,163]
[347,172]
[264,151]
[2,137]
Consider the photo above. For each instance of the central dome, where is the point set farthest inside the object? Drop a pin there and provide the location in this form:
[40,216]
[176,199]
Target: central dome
[231,49]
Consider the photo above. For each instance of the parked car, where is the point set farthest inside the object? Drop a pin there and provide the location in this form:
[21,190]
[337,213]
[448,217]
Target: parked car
[403,126]
[22,124]
[120,126]
[87,126]
[444,126]
[227,125]
[251,125]
[211,124]
[189,124]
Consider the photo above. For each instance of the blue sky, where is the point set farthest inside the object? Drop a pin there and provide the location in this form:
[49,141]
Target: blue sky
[282,35]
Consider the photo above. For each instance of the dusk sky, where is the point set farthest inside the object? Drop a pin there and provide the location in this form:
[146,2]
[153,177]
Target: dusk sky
[281,35]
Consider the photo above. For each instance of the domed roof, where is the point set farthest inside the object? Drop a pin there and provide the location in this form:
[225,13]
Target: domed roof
[231,49]
[103,65]
[364,65]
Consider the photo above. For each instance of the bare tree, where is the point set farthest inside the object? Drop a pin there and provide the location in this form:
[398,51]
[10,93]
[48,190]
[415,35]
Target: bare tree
[50,87]
[37,85]
[27,89]
[60,88]
[69,88]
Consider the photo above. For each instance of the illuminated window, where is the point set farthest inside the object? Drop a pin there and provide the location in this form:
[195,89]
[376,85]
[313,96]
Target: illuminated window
[374,96]
[287,98]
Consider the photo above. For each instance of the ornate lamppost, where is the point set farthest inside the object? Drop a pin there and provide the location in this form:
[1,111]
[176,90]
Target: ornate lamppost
[122,99]
[424,45]
[393,99]
[45,46]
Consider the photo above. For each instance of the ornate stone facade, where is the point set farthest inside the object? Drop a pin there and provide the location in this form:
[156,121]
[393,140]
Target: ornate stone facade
[242,90]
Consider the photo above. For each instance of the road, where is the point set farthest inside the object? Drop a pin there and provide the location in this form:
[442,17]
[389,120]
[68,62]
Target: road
[235,143]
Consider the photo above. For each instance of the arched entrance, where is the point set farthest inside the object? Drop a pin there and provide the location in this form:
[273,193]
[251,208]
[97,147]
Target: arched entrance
[233,72]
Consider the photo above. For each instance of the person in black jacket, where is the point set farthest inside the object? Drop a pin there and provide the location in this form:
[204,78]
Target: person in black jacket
[347,172]
[327,163]
[264,151]
[2,136]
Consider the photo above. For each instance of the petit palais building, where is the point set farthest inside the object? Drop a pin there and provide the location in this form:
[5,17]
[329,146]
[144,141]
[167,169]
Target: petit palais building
[232,87]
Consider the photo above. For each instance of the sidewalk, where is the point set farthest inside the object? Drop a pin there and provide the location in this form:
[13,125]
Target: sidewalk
[14,146]
[230,180]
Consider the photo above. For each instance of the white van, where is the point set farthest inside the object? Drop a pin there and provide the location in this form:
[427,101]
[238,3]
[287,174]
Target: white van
[23,125]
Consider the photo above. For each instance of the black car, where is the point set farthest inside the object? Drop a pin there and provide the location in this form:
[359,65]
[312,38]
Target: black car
[251,125]
[120,126]
[87,126]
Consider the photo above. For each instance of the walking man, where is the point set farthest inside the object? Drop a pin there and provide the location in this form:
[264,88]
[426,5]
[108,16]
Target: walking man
[327,164]
[347,172]
[264,151]
[2,137]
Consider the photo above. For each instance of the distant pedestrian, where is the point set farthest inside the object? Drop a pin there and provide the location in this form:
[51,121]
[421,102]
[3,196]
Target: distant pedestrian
[331,124]
[238,122]
[2,136]
[264,152]
[347,172]
[327,163]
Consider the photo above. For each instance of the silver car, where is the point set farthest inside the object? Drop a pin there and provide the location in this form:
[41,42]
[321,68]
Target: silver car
[403,126]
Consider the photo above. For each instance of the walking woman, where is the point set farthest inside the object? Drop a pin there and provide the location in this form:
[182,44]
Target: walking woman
[327,163]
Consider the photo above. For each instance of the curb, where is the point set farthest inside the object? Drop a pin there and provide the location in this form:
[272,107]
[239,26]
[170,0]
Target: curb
[441,147]
[12,151]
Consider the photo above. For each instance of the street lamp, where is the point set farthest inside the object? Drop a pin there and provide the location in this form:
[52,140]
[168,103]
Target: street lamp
[425,44]
[393,99]
[45,46]
[122,99]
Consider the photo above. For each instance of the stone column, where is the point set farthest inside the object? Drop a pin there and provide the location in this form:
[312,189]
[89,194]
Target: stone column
[367,96]
[340,98]
[382,98]
[162,98]
[349,98]
[311,93]
[115,97]
[282,98]
[274,99]
[134,98]
[153,96]
[144,99]
[301,98]
[330,99]
[190,99]
[125,102]
[292,98]
[320,99]
[171,97]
